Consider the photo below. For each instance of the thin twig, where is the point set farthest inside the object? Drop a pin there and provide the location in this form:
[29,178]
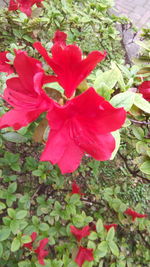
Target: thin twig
[134,173]
[139,122]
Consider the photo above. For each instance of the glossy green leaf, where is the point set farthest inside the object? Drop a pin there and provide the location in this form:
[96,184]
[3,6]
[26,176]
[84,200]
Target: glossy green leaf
[125,100]
[15,245]
[21,214]
[110,234]
[145,167]
[99,226]
[1,250]
[116,135]
[141,103]
[113,247]
[4,233]
[14,137]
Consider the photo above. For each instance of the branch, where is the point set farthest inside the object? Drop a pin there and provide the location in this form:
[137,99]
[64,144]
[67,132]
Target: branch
[139,122]
[134,173]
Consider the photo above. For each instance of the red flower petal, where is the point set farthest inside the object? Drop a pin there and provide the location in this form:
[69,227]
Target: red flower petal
[41,252]
[134,214]
[80,233]
[33,237]
[13,5]
[82,125]
[4,66]
[23,5]
[67,62]
[108,226]
[25,93]
[144,89]
[76,189]
[71,158]
[60,38]
[84,254]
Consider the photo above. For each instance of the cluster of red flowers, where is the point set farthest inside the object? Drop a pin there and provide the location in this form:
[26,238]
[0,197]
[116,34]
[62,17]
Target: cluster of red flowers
[82,125]
[83,254]
[23,5]
[40,251]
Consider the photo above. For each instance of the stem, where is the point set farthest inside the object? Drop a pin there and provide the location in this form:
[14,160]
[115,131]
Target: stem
[134,173]
[139,122]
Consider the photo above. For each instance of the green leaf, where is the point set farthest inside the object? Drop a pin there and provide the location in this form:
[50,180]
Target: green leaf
[99,226]
[110,234]
[104,91]
[11,212]
[138,132]
[103,248]
[125,100]
[116,135]
[26,239]
[110,78]
[1,250]
[25,263]
[12,187]
[15,245]
[44,227]
[2,205]
[55,86]
[21,214]
[91,245]
[141,103]
[75,199]
[113,247]
[93,236]
[145,167]
[14,226]
[15,167]
[141,147]
[28,38]
[4,233]
[14,137]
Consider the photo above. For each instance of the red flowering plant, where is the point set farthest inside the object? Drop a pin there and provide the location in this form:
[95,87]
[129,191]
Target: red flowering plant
[23,5]
[41,252]
[76,189]
[24,93]
[84,254]
[83,125]
[80,233]
[30,244]
[144,89]
[5,63]
[134,214]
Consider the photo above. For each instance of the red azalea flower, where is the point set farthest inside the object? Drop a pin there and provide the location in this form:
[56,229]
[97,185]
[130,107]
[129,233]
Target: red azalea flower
[76,189]
[80,233]
[83,124]
[23,5]
[144,89]
[108,226]
[84,254]
[41,252]
[24,93]
[67,62]
[134,214]
[33,237]
[4,66]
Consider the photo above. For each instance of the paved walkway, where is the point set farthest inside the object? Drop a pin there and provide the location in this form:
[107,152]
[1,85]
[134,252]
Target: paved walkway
[137,10]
